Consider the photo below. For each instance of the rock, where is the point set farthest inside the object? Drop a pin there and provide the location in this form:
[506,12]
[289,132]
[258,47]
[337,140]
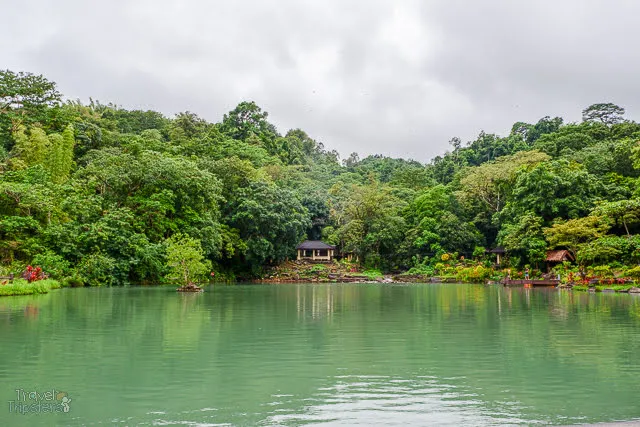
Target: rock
[634,290]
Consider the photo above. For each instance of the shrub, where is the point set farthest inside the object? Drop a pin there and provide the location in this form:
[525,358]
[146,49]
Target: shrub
[72,282]
[55,265]
[424,270]
[477,274]
[634,273]
[97,270]
[603,271]
[33,274]
[317,268]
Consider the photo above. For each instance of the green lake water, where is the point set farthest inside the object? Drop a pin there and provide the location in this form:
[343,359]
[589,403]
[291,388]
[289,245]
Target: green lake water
[339,354]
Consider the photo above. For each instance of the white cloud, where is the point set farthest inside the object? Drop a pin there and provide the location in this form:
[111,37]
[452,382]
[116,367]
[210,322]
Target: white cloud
[398,78]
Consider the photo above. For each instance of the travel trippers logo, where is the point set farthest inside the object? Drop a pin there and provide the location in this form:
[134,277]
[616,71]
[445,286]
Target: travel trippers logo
[36,402]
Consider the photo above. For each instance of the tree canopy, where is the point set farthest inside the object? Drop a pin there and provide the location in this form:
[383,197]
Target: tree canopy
[114,196]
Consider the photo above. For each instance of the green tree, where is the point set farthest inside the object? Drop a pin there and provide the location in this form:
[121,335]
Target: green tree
[437,223]
[573,233]
[60,155]
[271,220]
[624,212]
[607,113]
[368,221]
[557,189]
[491,182]
[248,119]
[524,239]
[185,260]
[31,149]
[25,98]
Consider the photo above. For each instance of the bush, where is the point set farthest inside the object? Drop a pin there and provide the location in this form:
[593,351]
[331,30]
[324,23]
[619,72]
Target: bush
[479,252]
[634,273]
[72,282]
[423,270]
[477,274]
[317,268]
[603,271]
[53,264]
[97,270]
[34,274]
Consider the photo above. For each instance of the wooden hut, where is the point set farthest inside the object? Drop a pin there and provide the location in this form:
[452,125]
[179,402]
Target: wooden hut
[558,256]
[315,250]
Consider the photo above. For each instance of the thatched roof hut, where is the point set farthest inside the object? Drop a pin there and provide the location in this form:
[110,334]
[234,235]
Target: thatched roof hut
[559,255]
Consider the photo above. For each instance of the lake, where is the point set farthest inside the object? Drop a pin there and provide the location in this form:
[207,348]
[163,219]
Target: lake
[338,354]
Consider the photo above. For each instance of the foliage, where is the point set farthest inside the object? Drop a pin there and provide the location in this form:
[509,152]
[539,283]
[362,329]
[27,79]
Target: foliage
[97,270]
[575,233]
[372,274]
[185,260]
[475,274]
[98,194]
[524,239]
[625,212]
[606,113]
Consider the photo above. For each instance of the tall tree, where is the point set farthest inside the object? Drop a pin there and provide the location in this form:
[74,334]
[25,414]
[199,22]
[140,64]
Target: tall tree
[607,113]
[248,119]
[32,149]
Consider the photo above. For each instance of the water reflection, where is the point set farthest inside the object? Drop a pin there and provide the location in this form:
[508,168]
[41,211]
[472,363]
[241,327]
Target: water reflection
[337,354]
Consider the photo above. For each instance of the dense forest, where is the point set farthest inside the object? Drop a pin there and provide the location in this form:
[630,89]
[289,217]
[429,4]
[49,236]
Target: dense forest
[107,195]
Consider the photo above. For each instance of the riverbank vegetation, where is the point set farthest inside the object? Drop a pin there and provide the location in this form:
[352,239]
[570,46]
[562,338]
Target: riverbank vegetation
[23,287]
[96,193]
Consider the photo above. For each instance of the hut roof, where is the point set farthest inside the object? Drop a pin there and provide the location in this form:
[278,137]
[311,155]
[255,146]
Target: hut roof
[314,245]
[559,256]
[496,250]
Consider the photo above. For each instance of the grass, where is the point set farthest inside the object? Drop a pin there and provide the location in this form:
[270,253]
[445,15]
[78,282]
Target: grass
[372,274]
[22,287]
[616,288]
[600,288]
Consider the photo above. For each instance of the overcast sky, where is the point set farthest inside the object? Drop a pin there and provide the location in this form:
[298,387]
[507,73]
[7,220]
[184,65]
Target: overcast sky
[398,78]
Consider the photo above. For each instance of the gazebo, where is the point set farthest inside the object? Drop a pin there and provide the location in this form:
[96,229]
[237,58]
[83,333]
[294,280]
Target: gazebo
[499,252]
[315,250]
